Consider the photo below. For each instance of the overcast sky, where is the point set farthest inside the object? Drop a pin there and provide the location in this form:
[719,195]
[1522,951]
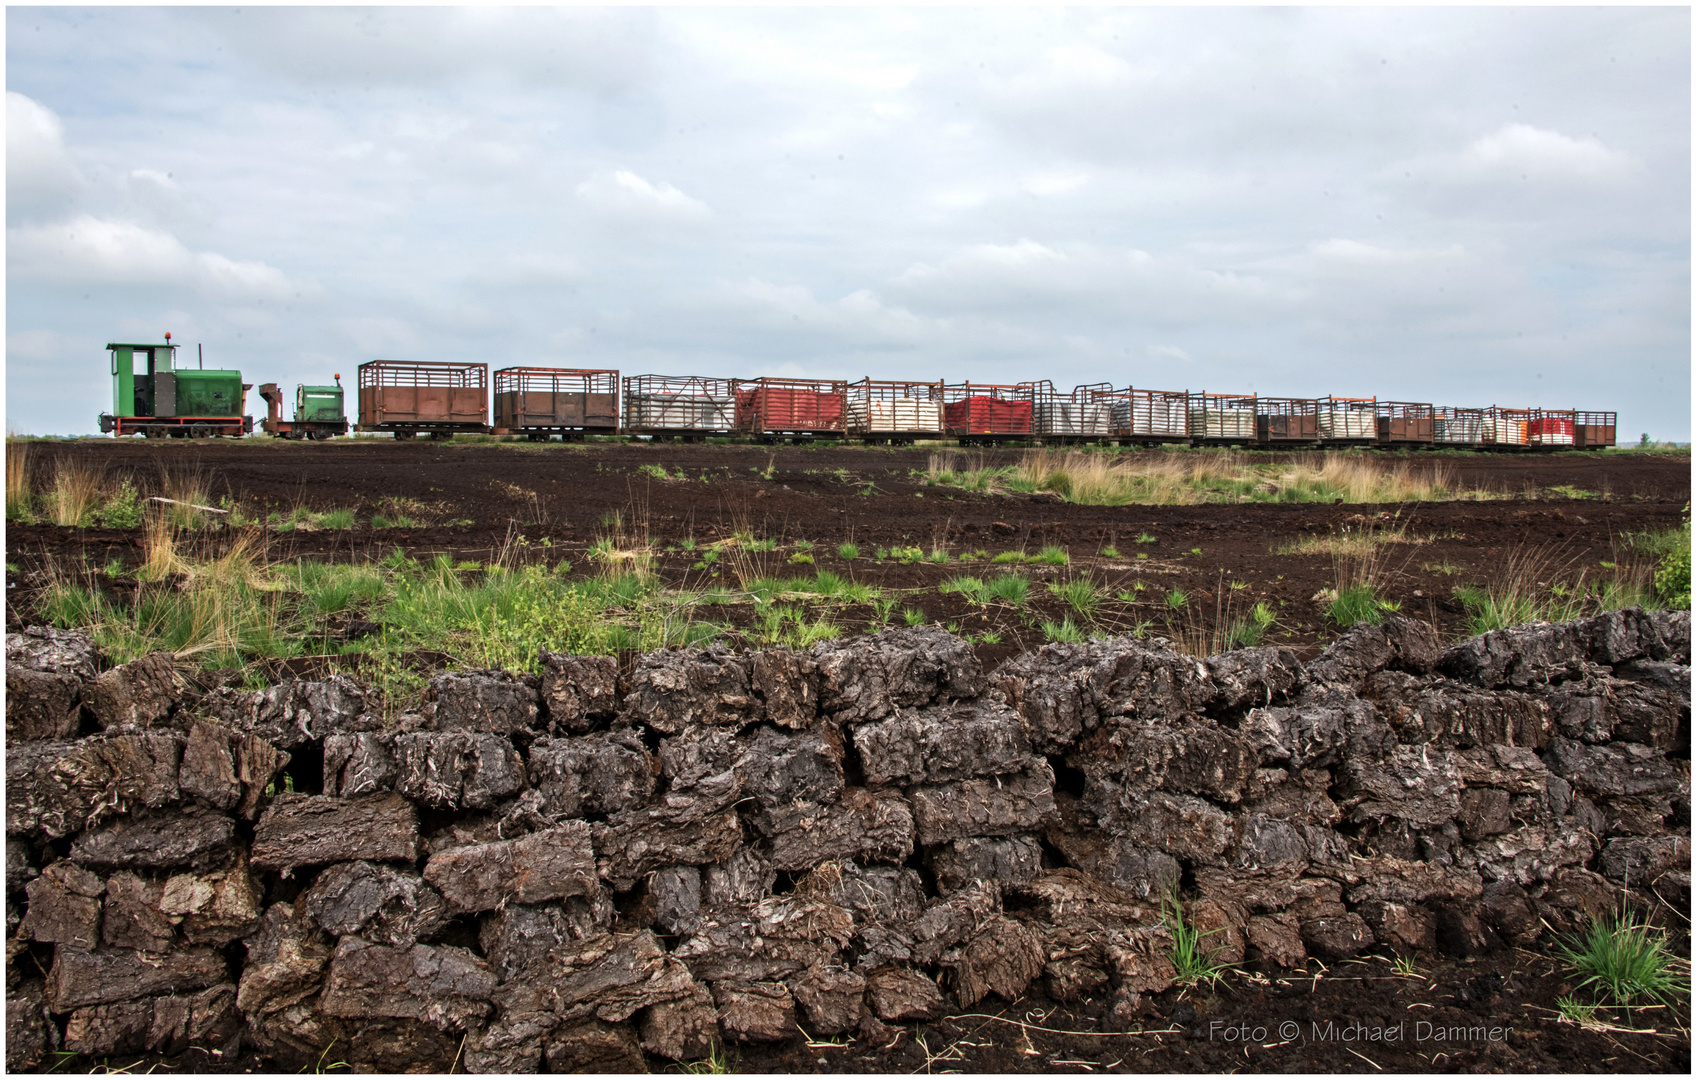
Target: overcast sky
[1466,206]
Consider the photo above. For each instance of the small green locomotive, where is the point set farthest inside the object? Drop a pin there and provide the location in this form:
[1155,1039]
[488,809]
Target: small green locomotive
[154,397]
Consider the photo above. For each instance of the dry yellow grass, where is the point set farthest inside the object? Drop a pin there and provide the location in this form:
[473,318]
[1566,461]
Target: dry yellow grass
[18,491]
[75,493]
[1187,479]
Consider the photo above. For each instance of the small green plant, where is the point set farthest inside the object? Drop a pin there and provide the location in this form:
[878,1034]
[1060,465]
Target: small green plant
[971,588]
[1196,551]
[1110,552]
[1359,603]
[1065,631]
[913,616]
[848,550]
[802,557]
[907,555]
[1009,557]
[715,1063]
[987,637]
[1673,565]
[1080,594]
[881,554]
[1129,596]
[1249,631]
[1144,538]
[121,511]
[1627,961]
[766,544]
[1008,589]
[804,545]
[658,472]
[399,521]
[1140,629]
[1177,598]
[1051,555]
[1403,968]
[1194,962]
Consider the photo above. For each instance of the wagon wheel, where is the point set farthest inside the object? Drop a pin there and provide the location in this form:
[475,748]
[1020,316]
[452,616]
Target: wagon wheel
[199,431]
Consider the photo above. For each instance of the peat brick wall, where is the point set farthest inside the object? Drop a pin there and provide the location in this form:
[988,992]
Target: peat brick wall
[569,869]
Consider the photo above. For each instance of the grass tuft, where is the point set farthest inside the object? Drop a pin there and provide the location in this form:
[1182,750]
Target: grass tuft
[1626,961]
[1194,962]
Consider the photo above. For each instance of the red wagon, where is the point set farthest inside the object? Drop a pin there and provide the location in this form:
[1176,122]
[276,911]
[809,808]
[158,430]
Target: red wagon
[791,408]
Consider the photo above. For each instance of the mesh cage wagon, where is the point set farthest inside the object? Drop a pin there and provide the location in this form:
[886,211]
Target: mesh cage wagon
[540,402]
[790,407]
[682,406]
[1058,417]
[1348,419]
[884,409]
[1403,422]
[1456,426]
[438,397]
[1293,420]
[1222,417]
[985,412]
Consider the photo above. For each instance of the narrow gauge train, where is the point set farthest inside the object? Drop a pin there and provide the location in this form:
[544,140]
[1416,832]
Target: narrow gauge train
[442,398]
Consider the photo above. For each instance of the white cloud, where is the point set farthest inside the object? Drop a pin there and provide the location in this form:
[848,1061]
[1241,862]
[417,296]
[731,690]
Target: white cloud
[373,335]
[627,193]
[88,249]
[38,345]
[154,176]
[1354,253]
[1536,153]
[1166,352]
[40,179]
[1059,183]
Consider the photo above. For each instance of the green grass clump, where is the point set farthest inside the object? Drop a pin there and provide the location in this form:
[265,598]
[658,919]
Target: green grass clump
[971,588]
[1051,555]
[1009,557]
[1194,962]
[1359,603]
[848,550]
[1626,961]
[1176,599]
[1008,589]
[1066,631]
[913,616]
[1082,595]
[1251,630]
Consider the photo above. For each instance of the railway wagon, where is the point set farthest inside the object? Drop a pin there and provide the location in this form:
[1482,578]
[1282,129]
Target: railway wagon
[1550,427]
[319,413]
[153,397]
[894,411]
[1456,426]
[1287,420]
[1404,423]
[791,408]
[1071,417]
[1593,430]
[1507,427]
[985,413]
[688,408]
[1348,419]
[433,397]
[541,402]
[1222,418]
[1146,416]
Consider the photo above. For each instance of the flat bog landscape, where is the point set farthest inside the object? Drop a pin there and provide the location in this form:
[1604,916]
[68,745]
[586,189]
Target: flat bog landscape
[730,535]
[1084,760]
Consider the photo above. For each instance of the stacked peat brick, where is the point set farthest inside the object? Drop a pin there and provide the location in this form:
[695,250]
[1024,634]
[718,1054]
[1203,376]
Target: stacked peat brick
[578,869]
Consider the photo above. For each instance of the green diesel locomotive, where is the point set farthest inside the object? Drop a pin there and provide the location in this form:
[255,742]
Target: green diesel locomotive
[154,397]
